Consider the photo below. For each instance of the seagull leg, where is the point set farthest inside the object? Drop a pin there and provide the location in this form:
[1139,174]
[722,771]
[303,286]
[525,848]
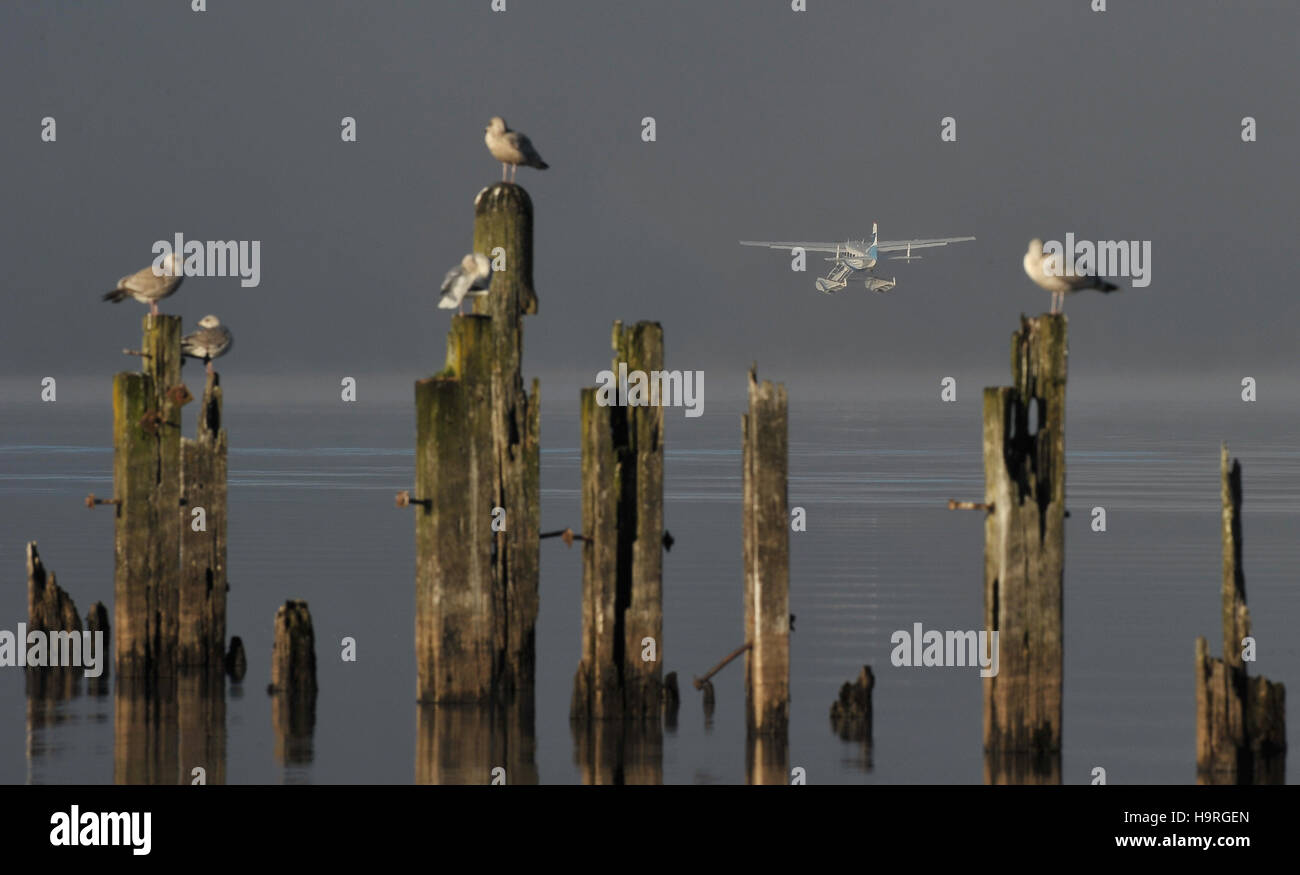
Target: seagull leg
[209,368]
[153,308]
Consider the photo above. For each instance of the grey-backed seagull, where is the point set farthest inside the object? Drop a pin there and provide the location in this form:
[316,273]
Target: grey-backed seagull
[511,148]
[1043,270]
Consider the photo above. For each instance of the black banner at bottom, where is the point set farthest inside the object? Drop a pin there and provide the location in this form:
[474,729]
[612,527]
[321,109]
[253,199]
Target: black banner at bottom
[645,825]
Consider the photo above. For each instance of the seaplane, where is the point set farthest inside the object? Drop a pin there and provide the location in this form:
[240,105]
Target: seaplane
[855,256]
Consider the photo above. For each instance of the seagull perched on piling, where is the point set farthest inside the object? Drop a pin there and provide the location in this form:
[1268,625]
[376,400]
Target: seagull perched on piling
[471,277]
[510,148]
[211,341]
[1044,271]
[148,287]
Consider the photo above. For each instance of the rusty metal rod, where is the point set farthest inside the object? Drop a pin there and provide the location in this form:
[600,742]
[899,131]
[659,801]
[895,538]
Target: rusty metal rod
[91,500]
[699,682]
[567,535]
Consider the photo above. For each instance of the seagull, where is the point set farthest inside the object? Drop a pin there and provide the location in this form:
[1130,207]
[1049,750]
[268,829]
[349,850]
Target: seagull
[510,148]
[471,277]
[211,341]
[1042,270]
[149,287]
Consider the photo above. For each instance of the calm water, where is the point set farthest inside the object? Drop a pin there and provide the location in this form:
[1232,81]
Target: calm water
[312,516]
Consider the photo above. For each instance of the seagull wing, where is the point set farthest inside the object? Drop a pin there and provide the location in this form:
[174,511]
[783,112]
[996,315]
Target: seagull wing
[455,285]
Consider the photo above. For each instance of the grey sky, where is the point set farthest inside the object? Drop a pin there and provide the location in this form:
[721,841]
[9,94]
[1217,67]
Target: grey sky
[771,125]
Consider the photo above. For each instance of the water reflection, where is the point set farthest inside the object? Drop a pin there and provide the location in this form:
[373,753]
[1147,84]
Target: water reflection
[616,752]
[1022,768]
[464,744]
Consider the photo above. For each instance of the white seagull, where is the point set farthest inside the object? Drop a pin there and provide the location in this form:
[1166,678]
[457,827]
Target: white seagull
[510,148]
[1043,270]
[472,276]
[148,287]
[211,341]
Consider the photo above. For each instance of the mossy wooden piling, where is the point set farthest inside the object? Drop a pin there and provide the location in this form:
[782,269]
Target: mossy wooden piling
[503,227]
[477,452]
[457,639]
[202,596]
[1240,720]
[622,515]
[1024,542]
[147,485]
[766,528]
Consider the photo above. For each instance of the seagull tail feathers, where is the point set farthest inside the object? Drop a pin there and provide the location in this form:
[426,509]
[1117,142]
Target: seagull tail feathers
[115,296]
[1106,287]
[541,165]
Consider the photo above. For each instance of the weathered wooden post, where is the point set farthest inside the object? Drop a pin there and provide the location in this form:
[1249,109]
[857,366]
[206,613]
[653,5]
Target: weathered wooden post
[503,231]
[1024,543]
[457,605]
[293,682]
[1240,720]
[622,515]
[202,598]
[477,493]
[766,527]
[147,487]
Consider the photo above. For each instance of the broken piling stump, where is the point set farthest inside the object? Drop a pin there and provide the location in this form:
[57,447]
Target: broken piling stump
[202,596]
[147,487]
[236,662]
[766,527]
[620,672]
[1024,542]
[51,610]
[293,682]
[1240,720]
[97,621]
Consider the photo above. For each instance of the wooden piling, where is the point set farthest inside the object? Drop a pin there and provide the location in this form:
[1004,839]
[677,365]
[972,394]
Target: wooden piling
[147,485]
[766,526]
[1024,547]
[1240,720]
[458,628]
[477,452]
[622,513]
[202,596]
[503,226]
[293,683]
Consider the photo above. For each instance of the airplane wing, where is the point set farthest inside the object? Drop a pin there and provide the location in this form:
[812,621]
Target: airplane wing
[900,245]
[807,247]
